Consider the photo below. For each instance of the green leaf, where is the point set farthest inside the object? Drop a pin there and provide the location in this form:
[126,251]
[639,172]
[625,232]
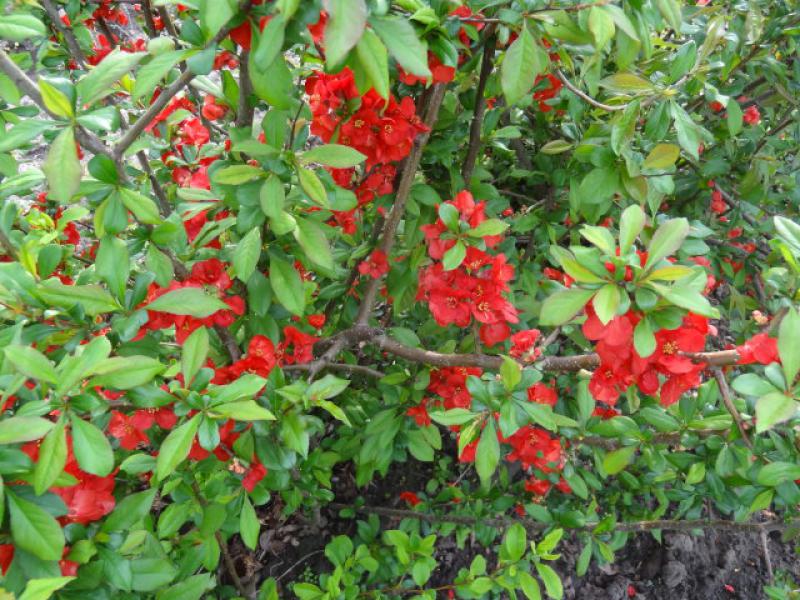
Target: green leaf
[55,100]
[15,430]
[23,132]
[34,530]
[62,167]
[773,408]
[563,306]
[194,353]
[126,372]
[524,60]
[97,83]
[148,77]
[630,226]
[735,118]
[44,588]
[142,207]
[666,240]
[751,384]
[778,472]
[403,43]
[248,524]
[510,373]
[453,258]
[237,174]
[248,410]
[52,458]
[93,298]
[334,155]
[644,341]
[269,43]
[601,26]
[312,240]
[113,265]
[515,542]
[601,238]
[248,251]
[488,227]
[661,157]
[312,186]
[691,300]
[214,14]
[191,588]
[190,301]
[373,56]
[326,388]
[346,22]
[287,285]
[626,83]
[21,28]
[91,447]
[555,147]
[617,460]
[272,197]
[671,11]
[788,346]
[175,448]
[130,510]
[488,452]
[529,586]
[552,582]
[606,302]
[689,136]
[31,363]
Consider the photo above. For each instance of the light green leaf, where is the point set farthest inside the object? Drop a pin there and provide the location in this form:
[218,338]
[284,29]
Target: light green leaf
[333,155]
[453,258]
[606,302]
[190,301]
[91,448]
[31,363]
[524,60]
[312,186]
[21,28]
[34,530]
[126,372]
[312,240]
[601,26]
[773,408]
[62,167]
[248,251]
[248,524]
[97,83]
[93,298]
[789,345]
[148,77]
[666,240]
[42,589]
[175,448]
[374,59]
[662,156]
[194,353]
[52,458]
[488,452]
[15,430]
[563,306]
[287,285]
[237,174]
[143,208]
[346,22]
[630,226]
[617,460]
[403,43]
[55,100]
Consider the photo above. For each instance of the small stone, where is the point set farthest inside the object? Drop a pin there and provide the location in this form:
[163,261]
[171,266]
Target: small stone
[674,574]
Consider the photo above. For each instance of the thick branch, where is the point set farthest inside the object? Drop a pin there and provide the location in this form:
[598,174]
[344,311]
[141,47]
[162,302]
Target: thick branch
[377,337]
[535,526]
[244,112]
[480,107]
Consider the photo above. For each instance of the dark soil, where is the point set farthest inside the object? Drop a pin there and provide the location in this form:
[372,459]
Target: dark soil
[715,565]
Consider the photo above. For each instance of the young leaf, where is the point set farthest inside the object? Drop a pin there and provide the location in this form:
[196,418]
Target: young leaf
[31,363]
[312,240]
[666,240]
[773,408]
[312,186]
[788,346]
[334,155]
[615,461]
[97,83]
[661,157]
[631,224]
[15,430]
[374,59]
[248,524]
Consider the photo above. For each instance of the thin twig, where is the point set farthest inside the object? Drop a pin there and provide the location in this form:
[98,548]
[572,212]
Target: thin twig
[787,120]
[66,33]
[297,563]
[581,94]
[728,401]
[767,558]
[360,369]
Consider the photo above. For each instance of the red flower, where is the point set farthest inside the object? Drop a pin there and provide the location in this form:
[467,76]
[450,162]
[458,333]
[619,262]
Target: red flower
[751,115]
[542,394]
[256,473]
[145,418]
[410,497]
[6,556]
[122,427]
[522,345]
[537,487]
[761,348]
[91,498]
[211,110]
[316,321]
[301,344]
[716,106]
[420,414]
[376,265]
[317,30]
[494,333]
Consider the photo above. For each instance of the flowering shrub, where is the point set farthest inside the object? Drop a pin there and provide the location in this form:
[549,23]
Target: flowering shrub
[276,252]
